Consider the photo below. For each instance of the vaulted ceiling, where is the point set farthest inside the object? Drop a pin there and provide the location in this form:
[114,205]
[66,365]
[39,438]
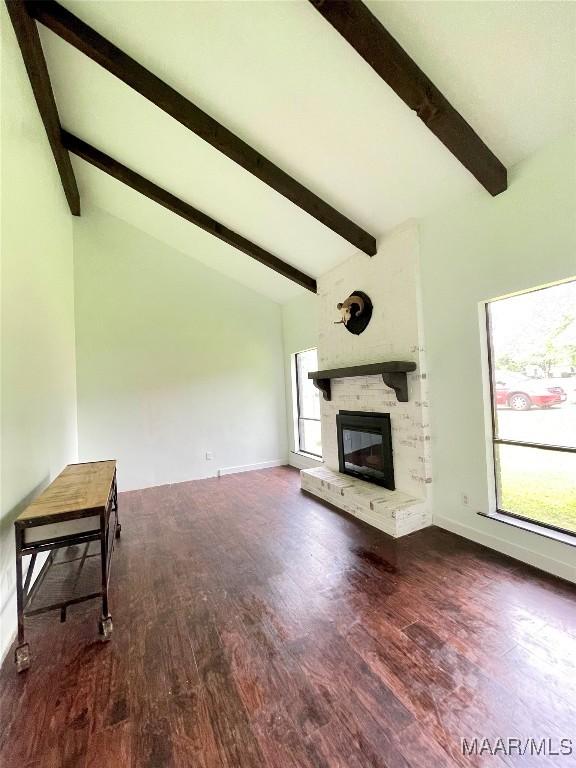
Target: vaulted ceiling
[280,77]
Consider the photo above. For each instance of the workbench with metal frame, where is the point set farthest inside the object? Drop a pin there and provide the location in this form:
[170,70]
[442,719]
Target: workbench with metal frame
[79,508]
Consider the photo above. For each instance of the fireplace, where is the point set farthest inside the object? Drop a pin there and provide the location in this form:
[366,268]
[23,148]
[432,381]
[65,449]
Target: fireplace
[365,446]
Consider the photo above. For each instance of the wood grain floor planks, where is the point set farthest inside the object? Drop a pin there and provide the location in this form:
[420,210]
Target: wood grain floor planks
[256,628]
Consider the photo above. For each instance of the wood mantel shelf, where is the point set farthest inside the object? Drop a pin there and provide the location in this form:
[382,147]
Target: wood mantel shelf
[393,373]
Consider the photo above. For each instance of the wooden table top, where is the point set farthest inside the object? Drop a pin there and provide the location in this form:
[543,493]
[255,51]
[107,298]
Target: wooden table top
[78,489]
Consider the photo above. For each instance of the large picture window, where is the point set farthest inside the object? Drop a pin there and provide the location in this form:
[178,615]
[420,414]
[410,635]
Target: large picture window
[532,354]
[307,401]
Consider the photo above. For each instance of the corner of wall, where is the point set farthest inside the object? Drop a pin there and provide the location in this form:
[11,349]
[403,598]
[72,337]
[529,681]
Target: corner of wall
[37,386]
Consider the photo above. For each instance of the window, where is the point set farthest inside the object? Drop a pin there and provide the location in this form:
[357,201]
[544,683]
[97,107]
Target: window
[307,404]
[532,355]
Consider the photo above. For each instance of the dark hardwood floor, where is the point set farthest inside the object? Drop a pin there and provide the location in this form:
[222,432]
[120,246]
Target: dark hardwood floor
[253,626]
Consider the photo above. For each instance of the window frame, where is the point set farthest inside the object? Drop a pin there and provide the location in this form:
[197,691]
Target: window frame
[495,440]
[298,416]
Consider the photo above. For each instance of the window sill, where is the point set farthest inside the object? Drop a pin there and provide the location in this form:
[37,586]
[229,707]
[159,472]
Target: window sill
[312,456]
[526,525]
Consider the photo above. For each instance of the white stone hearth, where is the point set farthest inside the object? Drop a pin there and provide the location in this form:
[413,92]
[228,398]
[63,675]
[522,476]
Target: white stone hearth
[394,512]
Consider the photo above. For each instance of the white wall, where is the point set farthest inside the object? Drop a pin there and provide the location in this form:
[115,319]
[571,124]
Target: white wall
[173,360]
[391,279]
[481,248]
[38,400]
[300,332]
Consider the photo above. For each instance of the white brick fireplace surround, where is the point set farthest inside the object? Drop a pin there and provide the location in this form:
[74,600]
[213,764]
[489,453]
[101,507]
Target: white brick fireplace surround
[392,281]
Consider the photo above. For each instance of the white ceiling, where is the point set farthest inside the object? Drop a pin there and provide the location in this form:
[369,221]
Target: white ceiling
[278,75]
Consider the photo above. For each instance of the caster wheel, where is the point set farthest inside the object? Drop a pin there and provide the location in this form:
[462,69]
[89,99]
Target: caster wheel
[105,628]
[22,657]
[118,529]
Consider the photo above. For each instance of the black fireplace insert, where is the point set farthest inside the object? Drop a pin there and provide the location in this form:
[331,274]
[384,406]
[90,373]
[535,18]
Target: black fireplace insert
[365,446]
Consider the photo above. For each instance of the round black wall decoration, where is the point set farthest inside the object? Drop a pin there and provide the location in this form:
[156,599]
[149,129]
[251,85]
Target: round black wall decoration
[356,312]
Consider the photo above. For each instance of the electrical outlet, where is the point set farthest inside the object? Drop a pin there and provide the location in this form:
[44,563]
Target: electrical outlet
[209,455]
[465,499]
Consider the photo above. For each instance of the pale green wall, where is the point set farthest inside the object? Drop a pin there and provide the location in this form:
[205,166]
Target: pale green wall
[300,329]
[38,401]
[173,360]
[478,249]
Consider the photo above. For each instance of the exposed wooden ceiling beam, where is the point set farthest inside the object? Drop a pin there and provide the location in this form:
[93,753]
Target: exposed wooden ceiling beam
[172,203]
[357,25]
[105,53]
[35,63]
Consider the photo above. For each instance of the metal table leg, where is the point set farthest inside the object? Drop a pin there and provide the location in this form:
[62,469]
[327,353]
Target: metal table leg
[22,652]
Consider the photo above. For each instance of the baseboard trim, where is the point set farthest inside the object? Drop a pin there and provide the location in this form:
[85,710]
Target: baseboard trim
[6,651]
[251,467]
[212,476]
[516,551]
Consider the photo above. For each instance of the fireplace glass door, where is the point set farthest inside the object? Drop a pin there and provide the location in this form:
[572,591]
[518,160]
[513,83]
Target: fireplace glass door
[365,446]
[363,452]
